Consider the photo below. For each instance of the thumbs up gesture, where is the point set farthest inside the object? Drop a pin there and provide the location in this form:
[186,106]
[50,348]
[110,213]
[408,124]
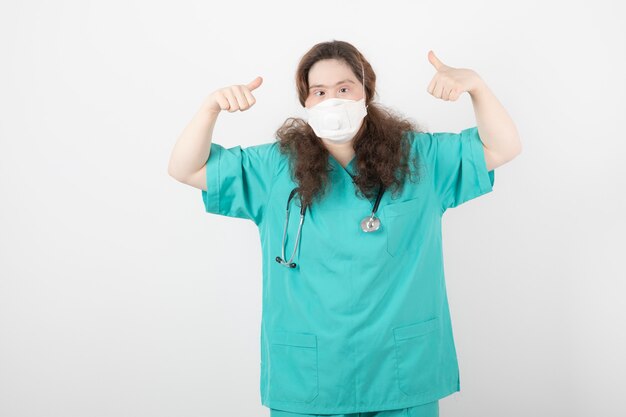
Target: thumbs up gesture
[449,83]
[234,97]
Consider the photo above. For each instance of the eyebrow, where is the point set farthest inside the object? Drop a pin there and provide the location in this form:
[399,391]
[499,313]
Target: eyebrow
[340,82]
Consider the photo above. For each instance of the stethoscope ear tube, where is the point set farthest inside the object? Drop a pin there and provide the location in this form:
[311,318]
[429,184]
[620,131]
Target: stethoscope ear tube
[280,260]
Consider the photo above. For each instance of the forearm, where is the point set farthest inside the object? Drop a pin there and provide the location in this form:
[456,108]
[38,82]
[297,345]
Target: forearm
[495,127]
[193,146]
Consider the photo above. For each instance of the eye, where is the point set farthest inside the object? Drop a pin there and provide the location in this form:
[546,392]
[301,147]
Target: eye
[318,91]
[343,88]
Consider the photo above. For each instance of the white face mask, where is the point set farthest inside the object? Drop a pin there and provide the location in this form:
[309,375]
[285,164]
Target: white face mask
[337,119]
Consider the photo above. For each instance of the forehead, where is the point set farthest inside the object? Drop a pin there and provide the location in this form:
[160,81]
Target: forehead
[329,71]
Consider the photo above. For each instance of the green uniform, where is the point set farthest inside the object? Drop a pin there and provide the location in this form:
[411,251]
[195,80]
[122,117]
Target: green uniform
[362,322]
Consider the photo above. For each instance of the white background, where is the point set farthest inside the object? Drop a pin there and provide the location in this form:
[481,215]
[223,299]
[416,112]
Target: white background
[120,296]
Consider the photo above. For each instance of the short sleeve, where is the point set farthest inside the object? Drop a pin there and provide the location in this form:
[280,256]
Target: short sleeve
[458,166]
[239,180]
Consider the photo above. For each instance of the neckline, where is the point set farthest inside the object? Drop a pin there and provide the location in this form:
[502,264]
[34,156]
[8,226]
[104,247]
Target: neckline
[348,168]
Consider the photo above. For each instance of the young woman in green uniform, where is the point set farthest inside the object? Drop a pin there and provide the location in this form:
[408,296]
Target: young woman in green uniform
[348,204]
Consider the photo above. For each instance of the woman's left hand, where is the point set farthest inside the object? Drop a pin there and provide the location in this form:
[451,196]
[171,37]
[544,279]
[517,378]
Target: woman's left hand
[449,82]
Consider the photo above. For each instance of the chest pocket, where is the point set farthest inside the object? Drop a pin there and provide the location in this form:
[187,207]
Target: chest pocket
[401,225]
[293,367]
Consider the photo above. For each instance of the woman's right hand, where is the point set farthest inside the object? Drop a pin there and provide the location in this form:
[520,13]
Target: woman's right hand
[233,98]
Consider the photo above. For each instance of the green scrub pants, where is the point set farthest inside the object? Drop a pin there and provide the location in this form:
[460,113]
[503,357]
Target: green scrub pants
[425,410]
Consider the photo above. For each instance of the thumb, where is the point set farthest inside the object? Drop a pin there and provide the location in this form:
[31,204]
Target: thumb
[435,61]
[255,83]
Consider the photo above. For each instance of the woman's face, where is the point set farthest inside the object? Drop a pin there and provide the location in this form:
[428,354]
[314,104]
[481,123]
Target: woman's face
[331,78]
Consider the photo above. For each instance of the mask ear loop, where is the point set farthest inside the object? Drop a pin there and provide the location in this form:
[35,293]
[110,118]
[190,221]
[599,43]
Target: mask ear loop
[363,71]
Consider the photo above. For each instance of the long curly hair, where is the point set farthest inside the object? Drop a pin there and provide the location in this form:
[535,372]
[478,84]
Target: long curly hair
[381,145]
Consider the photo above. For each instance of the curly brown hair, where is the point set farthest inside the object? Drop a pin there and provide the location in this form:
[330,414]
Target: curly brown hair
[381,145]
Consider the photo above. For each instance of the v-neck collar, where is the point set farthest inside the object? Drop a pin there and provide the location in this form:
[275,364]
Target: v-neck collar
[348,170]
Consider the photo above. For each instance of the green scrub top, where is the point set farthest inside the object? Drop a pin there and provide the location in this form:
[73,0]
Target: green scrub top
[362,322]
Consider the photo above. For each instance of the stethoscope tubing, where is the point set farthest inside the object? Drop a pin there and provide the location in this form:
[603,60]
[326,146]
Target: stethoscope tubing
[303,208]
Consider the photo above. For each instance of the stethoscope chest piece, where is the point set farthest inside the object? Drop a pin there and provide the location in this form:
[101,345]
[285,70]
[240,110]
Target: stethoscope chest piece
[370,224]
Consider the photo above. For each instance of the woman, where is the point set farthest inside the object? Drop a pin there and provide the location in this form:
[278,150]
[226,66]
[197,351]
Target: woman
[355,317]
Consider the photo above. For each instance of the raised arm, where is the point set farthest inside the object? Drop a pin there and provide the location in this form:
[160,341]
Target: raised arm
[497,131]
[501,142]
[191,151]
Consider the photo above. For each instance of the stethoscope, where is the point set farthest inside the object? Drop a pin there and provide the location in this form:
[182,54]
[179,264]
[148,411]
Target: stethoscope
[370,223]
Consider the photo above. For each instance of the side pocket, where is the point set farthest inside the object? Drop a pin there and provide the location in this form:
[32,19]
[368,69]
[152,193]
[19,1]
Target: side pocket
[418,350]
[293,367]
